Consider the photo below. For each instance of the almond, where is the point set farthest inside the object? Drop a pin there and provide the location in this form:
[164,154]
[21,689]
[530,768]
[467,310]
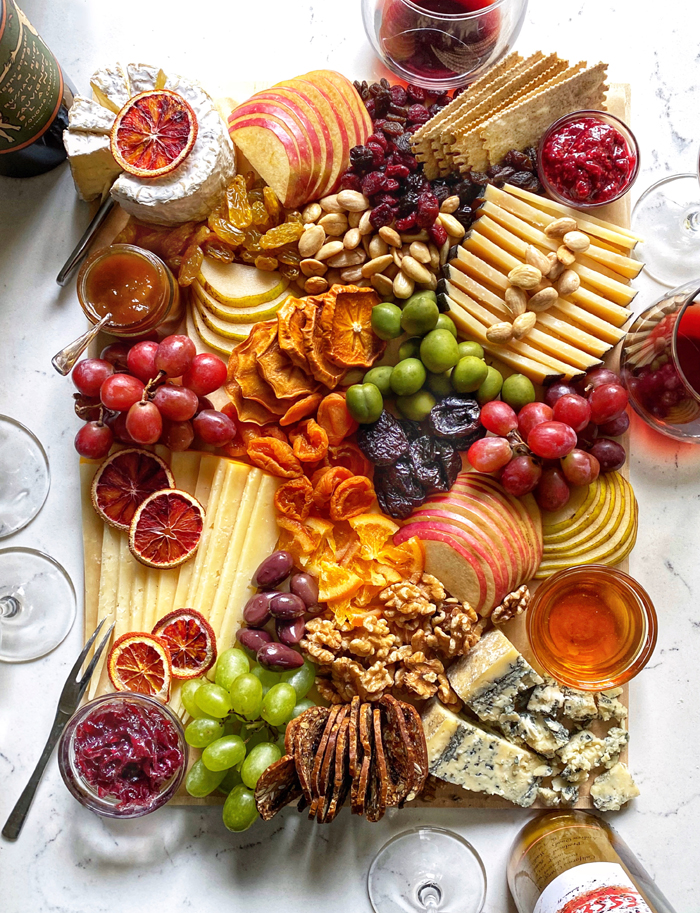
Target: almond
[347,258]
[523,324]
[331,204]
[311,213]
[516,301]
[353,200]
[577,241]
[415,270]
[566,256]
[383,285]
[351,275]
[392,238]
[543,299]
[450,205]
[419,251]
[329,249]
[403,285]
[569,282]
[558,228]
[453,228]
[445,251]
[408,237]
[525,276]
[312,267]
[354,219]
[352,239]
[312,241]
[365,225]
[399,254]
[315,285]
[376,265]
[535,257]
[378,246]
[500,332]
[434,257]
[334,224]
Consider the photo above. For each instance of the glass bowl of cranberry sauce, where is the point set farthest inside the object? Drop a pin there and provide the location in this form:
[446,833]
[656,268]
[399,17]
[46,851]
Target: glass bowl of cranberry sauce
[123,755]
[587,159]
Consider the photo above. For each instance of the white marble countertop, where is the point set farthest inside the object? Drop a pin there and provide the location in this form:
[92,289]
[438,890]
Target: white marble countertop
[69,861]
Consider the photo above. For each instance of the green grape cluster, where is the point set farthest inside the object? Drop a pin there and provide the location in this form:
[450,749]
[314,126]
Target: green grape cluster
[239,720]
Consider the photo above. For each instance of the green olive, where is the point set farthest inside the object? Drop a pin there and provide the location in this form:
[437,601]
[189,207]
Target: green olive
[518,391]
[446,323]
[439,351]
[417,406]
[440,384]
[491,386]
[364,402]
[381,378]
[386,320]
[407,377]
[469,374]
[468,347]
[410,348]
[419,317]
[423,293]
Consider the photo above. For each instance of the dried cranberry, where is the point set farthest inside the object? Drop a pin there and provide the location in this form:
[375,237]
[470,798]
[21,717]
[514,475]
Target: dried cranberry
[388,198]
[443,100]
[416,93]
[361,159]
[381,215]
[378,157]
[428,209]
[406,223]
[417,183]
[404,158]
[379,139]
[391,128]
[391,185]
[417,114]
[373,183]
[350,181]
[413,128]
[398,95]
[400,172]
[437,234]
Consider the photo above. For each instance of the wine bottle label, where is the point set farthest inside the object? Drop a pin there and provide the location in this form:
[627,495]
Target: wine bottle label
[595,887]
[31,82]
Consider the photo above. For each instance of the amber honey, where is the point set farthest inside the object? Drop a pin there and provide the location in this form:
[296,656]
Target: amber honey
[592,627]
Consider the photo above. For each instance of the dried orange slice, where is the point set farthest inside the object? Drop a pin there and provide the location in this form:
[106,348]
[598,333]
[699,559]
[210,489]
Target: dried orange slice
[154,133]
[336,582]
[408,559]
[373,531]
[166,528]
[140,663]
[124,481]
[190,640]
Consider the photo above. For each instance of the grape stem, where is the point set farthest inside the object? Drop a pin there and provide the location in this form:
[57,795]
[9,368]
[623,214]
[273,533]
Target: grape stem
[519,446]
[149,389]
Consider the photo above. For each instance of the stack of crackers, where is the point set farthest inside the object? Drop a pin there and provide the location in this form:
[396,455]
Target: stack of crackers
[508,108]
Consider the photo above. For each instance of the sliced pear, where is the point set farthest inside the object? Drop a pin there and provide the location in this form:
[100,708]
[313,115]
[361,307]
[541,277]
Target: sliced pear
[588,536]
[554,520]
[588,524]
[263,311]
[582,519]
[224,330]
[239,285]
[208,337]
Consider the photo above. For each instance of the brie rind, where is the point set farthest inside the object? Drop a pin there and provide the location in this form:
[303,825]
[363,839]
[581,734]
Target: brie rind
[111,87]
[89,116]
[143,78]
[91,162]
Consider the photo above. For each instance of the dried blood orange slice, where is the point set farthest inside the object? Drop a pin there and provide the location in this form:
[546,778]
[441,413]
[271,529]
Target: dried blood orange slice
[166,528]
[154,133]
[140,663]
[124,481]
[191,642]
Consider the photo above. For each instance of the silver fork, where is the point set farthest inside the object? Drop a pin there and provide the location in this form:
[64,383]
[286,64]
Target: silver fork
[68,703]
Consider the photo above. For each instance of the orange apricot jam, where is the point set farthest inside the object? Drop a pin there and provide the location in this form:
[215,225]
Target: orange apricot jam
[592,627]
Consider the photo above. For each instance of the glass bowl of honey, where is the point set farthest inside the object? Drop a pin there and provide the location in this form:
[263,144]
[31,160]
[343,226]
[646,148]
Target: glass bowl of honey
[592,627]
[134,287]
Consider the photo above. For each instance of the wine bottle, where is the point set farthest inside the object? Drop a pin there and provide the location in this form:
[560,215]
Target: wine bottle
[574,862]
[35,96]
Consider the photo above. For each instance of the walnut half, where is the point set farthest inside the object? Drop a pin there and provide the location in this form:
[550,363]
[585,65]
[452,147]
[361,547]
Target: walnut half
[514,603]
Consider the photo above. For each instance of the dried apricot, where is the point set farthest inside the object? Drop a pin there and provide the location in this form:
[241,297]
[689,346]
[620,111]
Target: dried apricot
[275,457]
[250,431]
[316,333]
[352,497]
[325,481]
[333,416]
[351,457]
[301,409]
[236,448]
[285,378]
[309,441]
[294,498]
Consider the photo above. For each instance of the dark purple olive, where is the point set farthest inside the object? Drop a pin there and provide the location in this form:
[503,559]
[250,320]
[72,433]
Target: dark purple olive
[279,657]
[287,605]
[274,570]
[315,609]
[253,638]
[257,610]
[305,587]
[290,631]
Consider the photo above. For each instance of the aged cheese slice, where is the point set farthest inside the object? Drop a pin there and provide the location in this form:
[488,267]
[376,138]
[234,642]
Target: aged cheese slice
[139,616]
[127,570]
[92,547]
[208,531]
[573,334]
[205,479]
[474,758]
[111,87]
[91,163]
[90,117]
[583,318]
[479,269]
[154,580]
[476,291]
[107,597]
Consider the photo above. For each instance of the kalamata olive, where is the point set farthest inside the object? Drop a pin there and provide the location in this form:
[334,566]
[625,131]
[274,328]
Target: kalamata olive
[315,609]
[279,657]
[287,606]
[274,569]
[305,587]
[290,631]
[253,638]
[257,610]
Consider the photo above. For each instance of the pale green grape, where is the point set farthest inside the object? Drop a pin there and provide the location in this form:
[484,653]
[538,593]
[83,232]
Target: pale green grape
[201,781]
[278,704]
[230,664]
[188,691]
[213,699]
[279,742]
[257,761]
[239,809]
[232,726]
[301,679]
[301,706]
[247,695]
[201,732]
[232,778]
[224,753]
[267,677]
[254,736]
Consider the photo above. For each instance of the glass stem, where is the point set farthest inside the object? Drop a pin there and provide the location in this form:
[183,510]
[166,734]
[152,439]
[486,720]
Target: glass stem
[692,220]
[9,606]
[429,895]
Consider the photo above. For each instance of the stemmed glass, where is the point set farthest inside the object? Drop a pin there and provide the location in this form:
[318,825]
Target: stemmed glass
[427,868]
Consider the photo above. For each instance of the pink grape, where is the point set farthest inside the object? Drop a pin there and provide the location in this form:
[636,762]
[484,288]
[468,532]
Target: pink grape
[616,427]
[214,427]
[489,454]
[586,438]
[141,360]
[580,468]
[530,415]
[498,417]
[609,454]
[89,375]
[556,391]
[174,355]
[176,403]
[551,440]
[120,391]
[94,440]
[573,410]
[118,426]
[144,423]
[607,402]
[599,376]
[205,374]
[203,404]
[552,492]
[177,436]
[116,354]
[521,475]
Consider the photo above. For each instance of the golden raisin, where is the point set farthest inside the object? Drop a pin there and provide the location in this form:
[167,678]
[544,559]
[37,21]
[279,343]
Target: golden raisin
[282,234]
[266,263]
[272,205]
[239,212]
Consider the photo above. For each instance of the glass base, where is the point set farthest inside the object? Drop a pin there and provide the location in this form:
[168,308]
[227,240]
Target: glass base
[427,868]
[24,476]
[37,604]
[667,216]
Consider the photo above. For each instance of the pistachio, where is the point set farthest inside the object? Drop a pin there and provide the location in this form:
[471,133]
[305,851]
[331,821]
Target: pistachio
[500,332]
[566,256]
[331,204]
[559,227]
[569,282]
[378,246]
[403,285]
[543,299]
[351,275]
[352,239]
[453,228]
[329,249]
[315,285]
[376,265]
[451,204]
[535,257]
[383,285]
[354,219]
[392,238]
[525,276]
[312,241]
[576,241]
[523,324]
[334,224]
[311,267]
[516,301]
[347,258]
[365,225]
[353,200]
[419,251]
[415,270]
[311,213]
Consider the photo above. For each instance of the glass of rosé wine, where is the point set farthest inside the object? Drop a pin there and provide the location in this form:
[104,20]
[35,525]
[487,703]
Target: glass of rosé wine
[442,44]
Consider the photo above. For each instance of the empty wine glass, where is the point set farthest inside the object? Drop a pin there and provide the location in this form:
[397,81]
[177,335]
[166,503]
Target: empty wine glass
[427,868]
[24,476]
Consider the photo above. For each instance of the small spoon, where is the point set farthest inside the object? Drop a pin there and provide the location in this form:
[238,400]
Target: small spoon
[64,360]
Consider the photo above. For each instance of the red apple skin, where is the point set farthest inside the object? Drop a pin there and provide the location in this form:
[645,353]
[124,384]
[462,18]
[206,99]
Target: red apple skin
[340,104]
[335,119]
[294,195]
[362,119]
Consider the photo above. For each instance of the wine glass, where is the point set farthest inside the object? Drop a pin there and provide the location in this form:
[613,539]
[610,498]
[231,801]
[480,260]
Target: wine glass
[427,868]
[24,476]
[667,216]
[442,44]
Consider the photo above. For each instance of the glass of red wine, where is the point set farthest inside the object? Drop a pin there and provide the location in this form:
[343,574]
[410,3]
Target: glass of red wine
[660,363]
[442,44]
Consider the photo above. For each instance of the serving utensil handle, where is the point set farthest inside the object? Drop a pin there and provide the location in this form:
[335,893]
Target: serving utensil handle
[81,248]
[64,360]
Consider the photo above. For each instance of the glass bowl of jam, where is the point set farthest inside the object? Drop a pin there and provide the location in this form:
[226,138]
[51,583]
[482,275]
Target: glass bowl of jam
[588,159]
[592,627]
[134,287]
[123,755]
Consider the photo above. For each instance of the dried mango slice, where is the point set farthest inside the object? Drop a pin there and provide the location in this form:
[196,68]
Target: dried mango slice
[282,375]
[352,342]
[352,497]
[294,498]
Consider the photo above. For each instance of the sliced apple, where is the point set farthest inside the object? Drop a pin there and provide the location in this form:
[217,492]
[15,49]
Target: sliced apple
[240,285]
[263,311]
[342,140]
[349,90]
[457,569]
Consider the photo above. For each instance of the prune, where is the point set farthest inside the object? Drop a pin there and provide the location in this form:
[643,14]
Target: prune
[384,441]
[361,159]
[398,491]
[527,181]
[518,160]
[413,429]
[456,418]
[436,463]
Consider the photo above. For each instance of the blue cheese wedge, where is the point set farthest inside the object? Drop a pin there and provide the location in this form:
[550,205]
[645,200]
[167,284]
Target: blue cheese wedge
[611,790]
[474,758]
[579,706]
[609,707]
[547,698]
[581,754]
[615,741]
[568,792]
[491,676]
[543,734]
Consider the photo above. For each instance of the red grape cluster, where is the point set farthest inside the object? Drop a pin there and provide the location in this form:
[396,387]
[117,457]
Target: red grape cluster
[128,395]
[547,447]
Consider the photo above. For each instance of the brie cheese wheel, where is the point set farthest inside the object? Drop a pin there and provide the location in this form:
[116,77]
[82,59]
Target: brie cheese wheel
[111,87]
[91,162]
[144,78]
[90,116]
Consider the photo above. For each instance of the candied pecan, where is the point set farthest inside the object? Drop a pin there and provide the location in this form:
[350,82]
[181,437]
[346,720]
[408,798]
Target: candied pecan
[322,640]
[513,604]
